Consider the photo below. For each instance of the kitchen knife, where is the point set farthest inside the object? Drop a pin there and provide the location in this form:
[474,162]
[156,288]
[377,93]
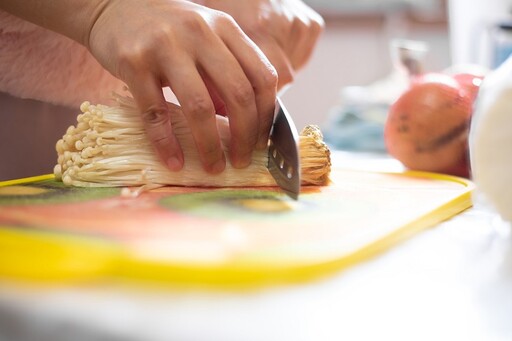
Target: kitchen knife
[283,152]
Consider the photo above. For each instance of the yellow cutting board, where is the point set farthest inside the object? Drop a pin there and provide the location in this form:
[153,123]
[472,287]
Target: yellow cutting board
[226,237]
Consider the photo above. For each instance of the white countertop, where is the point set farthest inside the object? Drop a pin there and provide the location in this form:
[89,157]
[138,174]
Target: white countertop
[451,282]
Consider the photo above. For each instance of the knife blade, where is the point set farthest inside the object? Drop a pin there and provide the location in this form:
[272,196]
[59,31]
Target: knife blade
[283,152]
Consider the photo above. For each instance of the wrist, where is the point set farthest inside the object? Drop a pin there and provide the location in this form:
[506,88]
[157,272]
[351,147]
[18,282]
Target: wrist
[73,19]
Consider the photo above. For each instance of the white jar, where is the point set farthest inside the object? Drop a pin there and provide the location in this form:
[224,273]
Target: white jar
[491,139]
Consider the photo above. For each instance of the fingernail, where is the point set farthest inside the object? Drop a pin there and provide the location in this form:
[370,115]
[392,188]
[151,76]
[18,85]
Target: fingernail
[218,166]
[174,164]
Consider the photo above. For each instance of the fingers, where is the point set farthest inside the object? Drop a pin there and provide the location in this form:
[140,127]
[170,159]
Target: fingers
[305,31]
[262,77]
[279,59]
[199,110]
[241,110]
[147,92]
[208,62]
[220,106]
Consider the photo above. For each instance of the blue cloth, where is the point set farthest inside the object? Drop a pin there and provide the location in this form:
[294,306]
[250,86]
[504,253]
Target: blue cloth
[357,128]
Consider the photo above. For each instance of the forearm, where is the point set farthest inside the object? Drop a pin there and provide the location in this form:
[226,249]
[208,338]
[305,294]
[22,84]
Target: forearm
[72,18]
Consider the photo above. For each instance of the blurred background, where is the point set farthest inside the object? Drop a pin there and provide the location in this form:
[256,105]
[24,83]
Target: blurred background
[352,65]
[355,49]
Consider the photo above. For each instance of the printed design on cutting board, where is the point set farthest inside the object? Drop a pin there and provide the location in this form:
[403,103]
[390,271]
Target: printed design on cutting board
[47,192]
[190,214]
[265,206]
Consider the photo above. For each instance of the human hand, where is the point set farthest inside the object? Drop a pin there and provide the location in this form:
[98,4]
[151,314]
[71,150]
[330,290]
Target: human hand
[286,30]
[207,61]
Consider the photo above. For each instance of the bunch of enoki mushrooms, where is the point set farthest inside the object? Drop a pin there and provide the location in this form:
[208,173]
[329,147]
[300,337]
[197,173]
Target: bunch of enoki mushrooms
[108,147]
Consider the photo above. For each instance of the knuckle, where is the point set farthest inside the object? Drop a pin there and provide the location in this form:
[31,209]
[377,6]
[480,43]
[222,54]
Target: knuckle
[128,60]
[286,76]
[303,28]
[159,136]
[155,115]
[243,95]
[193,20]
[258,27]
[198,23]
[226,19]
[269,78]
[299,24]
[319,21]
[134,58]
[317,27]
[200,109]
[140,53]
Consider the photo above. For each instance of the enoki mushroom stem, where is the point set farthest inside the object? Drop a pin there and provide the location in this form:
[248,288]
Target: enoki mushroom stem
[108,147]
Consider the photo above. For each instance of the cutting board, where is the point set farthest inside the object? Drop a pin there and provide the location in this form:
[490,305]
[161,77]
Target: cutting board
[227,236]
